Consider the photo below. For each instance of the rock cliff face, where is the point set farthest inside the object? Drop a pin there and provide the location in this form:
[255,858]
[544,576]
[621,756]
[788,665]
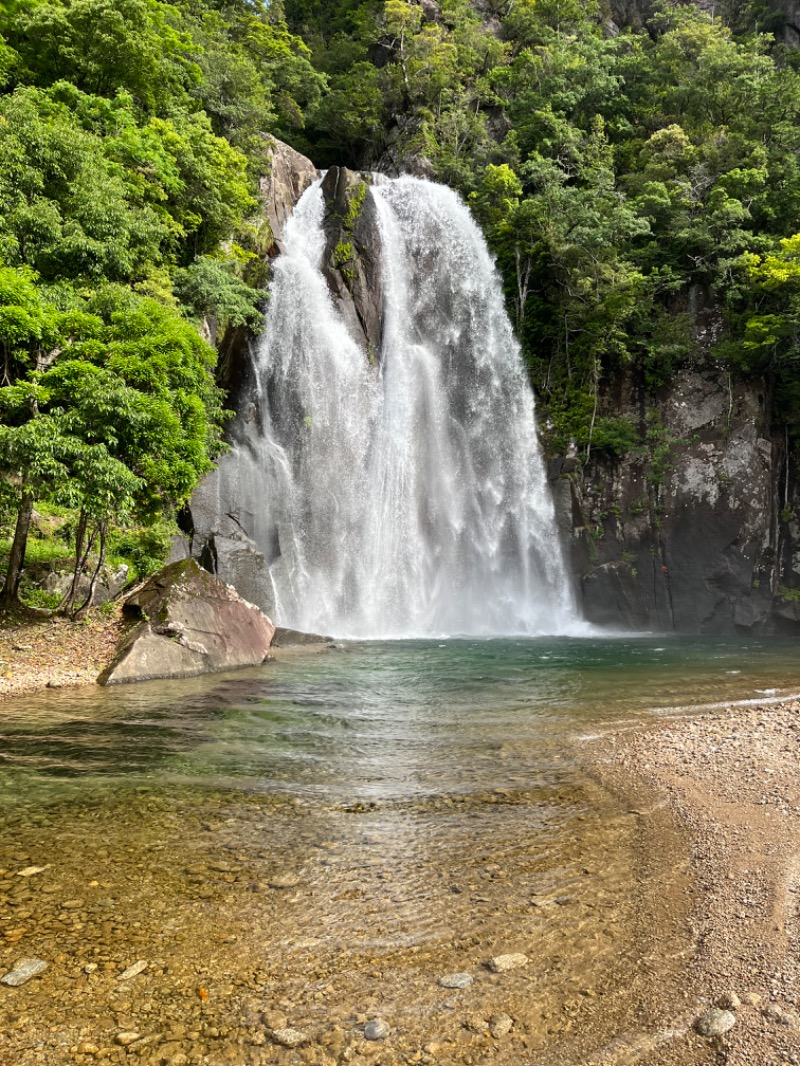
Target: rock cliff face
[688,533]
[352,255]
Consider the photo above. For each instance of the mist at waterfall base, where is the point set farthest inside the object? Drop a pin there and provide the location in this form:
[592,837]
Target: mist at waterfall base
[400,494]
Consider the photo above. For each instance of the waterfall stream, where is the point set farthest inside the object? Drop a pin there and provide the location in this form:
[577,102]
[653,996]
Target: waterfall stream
[402,496]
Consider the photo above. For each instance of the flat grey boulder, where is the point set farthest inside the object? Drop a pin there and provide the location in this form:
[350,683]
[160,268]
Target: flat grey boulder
[190,623]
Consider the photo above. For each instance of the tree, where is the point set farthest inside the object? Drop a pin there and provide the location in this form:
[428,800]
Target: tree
[122,418]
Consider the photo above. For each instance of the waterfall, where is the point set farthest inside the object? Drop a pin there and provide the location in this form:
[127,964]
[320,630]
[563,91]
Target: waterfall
[402,496]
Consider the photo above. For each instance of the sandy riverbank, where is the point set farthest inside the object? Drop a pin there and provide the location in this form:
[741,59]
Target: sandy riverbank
[39,652]
[731,780]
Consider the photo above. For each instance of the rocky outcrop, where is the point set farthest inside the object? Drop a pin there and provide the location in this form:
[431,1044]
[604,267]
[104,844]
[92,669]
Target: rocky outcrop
[218,533]
[352,261]
[682,533]
[287,176]
[190,623]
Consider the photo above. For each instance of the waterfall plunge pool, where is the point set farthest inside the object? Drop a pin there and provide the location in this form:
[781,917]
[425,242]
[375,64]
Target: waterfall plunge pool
[325,837]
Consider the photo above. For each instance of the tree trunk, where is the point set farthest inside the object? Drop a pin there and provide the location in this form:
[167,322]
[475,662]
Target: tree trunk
[82,549]
[102,529]
[10,594]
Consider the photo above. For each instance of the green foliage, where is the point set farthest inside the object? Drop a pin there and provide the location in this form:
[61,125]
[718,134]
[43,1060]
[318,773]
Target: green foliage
[144,549]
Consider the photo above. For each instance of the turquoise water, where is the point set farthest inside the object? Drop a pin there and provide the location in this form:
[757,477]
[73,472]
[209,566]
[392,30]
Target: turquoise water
[381,719]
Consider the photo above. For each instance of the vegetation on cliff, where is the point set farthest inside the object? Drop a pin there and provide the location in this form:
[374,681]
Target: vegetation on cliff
[624,179]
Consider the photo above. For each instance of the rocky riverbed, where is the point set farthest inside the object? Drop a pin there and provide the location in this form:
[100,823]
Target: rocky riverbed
[207,928]
[487,901]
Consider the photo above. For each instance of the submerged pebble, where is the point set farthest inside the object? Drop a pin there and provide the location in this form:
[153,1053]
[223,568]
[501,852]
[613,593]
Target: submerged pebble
[504,963]
[288,1037]
[500,1025]
[377,1029]
[23,971]
[455,980]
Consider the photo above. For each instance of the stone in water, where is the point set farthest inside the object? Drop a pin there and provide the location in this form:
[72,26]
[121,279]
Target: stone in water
[126,1039]
[290,1038]
[504,963]
[500,1025]
[715,1022]
[377,1029]
[24,970]
[29,871]
[455,980]
[133,970]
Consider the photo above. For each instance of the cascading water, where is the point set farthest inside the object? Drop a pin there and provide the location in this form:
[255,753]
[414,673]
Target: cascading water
[405,497]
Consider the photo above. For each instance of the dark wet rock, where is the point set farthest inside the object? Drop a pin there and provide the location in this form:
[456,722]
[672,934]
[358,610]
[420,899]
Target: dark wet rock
[688,546]
[377,1029]
[291,638]
[22,972]
[192,623]
[218,532]
[715,1022]
[352,259]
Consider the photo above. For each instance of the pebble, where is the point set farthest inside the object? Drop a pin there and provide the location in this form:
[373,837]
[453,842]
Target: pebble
[774,1013]
[127,1038]
[504,963]
[288,1037]
[715,1022]
[377,1029]
[476,1024]
[133,971]
[455,980]
[283,881]
[728,1001]
[30,871]
[751,999]
[500,1025]
[24,970]
[275,1019]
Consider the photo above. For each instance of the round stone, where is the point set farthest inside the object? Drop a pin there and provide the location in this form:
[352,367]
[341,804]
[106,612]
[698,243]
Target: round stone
[715,1022]
[377,1029]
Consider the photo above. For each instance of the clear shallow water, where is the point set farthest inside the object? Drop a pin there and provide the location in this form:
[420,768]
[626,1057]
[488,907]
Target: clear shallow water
[329,834]
[391,719]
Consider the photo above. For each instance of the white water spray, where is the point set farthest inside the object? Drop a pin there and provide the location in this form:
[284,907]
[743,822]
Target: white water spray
[405,498]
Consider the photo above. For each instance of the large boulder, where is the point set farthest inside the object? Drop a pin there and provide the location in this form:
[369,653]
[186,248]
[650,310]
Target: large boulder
[190,623]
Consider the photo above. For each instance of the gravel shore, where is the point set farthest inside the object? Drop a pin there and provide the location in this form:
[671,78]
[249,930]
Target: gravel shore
[730,778]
